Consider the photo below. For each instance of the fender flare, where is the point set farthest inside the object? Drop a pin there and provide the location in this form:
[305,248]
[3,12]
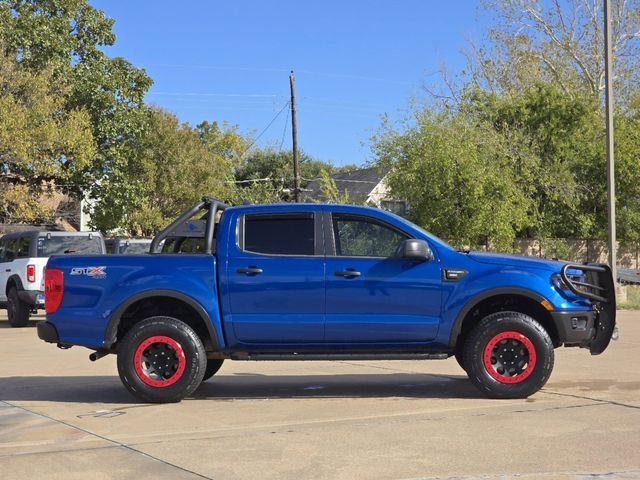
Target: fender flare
[17,280]
[471,304]
[111,333]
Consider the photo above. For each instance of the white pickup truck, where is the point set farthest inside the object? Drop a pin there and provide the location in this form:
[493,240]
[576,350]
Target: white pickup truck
[23,256]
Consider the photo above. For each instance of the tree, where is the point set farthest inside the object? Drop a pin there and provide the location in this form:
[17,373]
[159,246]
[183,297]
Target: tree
[266,175]
[457,177]
[43,145]
[535,88]
[329,189]
[559,42]
[627,142]
[180,166]
[65,37]
[561,134]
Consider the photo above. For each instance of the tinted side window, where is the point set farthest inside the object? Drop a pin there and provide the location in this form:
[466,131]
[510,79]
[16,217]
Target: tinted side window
[3,247]
[135,248]
[280,234]
[362,237]
[192,245]
[23,247]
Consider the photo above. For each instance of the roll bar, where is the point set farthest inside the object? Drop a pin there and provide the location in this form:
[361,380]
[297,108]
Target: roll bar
[182,224]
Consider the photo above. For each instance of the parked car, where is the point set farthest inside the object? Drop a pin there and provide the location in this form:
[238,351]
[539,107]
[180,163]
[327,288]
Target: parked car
[322,282]
[130,246]
[628,276]
[23,256]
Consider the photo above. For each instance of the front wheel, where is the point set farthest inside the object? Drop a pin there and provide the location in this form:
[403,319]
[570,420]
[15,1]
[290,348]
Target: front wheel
[161,360]
[508,355]
[17,310]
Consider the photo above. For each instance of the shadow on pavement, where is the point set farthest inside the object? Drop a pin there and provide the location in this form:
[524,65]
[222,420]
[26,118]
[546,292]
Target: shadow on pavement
[108,389]
[32,323]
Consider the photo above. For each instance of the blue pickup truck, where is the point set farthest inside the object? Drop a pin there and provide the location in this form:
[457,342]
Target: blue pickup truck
[321,282]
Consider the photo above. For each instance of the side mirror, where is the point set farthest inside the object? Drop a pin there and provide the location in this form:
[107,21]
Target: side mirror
[414,249]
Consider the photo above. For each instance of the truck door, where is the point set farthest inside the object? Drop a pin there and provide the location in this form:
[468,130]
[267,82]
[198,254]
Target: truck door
[373,296]
[275,279]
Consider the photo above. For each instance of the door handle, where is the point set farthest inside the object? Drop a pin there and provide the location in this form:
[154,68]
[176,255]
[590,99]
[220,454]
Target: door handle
[348,273]
[250,270]
[8,270]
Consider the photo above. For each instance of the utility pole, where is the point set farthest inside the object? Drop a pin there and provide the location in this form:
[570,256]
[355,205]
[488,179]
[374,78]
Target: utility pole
[611,192]
[294,134]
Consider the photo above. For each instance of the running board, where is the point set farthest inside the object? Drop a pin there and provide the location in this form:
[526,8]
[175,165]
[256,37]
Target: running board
[338,356]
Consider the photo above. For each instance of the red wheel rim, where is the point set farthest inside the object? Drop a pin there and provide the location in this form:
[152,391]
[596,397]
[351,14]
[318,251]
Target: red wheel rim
[510,357]
[159,361]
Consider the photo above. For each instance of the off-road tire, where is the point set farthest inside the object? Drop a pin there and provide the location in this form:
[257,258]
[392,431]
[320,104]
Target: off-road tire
[17,310]
[500,334]
[169,339]
[213,365]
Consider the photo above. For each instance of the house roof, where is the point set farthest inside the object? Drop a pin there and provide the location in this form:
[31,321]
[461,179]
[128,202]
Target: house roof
[358,184]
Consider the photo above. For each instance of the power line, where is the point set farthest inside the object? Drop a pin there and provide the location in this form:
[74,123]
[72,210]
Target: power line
[264,130]
[215,94]
[284,132]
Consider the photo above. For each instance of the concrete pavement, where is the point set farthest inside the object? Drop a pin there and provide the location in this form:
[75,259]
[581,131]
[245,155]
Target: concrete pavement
[62,416]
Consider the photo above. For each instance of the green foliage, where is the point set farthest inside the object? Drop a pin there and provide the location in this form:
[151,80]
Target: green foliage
[329,190]
[527,163]
[560,133]
[181,165]
[266,175]
[64,37]
[457,178]
[42,144]
[21,204]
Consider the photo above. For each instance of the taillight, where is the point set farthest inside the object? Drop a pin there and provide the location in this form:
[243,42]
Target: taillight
[53,289]
[31,273]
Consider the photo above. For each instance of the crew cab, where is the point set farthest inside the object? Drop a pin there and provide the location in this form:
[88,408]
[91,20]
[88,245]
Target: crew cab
[318,281]
[23,256]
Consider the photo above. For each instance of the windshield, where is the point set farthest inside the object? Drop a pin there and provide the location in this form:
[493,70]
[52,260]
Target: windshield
[132,248]
[69,245]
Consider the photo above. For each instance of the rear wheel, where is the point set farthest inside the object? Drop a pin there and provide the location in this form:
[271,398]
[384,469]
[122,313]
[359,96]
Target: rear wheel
[17,310]
[508,355]
[213,365]
[161,360]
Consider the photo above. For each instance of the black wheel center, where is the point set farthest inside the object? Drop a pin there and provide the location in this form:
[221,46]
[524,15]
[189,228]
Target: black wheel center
[160,361]
[510,357]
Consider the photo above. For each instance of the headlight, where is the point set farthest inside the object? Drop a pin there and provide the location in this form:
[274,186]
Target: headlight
[558,282]
[573,275]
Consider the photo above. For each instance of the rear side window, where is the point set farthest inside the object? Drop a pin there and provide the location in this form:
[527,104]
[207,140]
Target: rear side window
[180,245]
[134,248]
[22,248]
[287,234]
[69,245]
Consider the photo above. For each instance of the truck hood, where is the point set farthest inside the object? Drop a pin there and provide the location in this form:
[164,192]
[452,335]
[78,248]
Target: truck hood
[515,261]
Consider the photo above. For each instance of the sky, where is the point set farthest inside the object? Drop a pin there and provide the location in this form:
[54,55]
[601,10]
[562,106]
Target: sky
[354,61]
